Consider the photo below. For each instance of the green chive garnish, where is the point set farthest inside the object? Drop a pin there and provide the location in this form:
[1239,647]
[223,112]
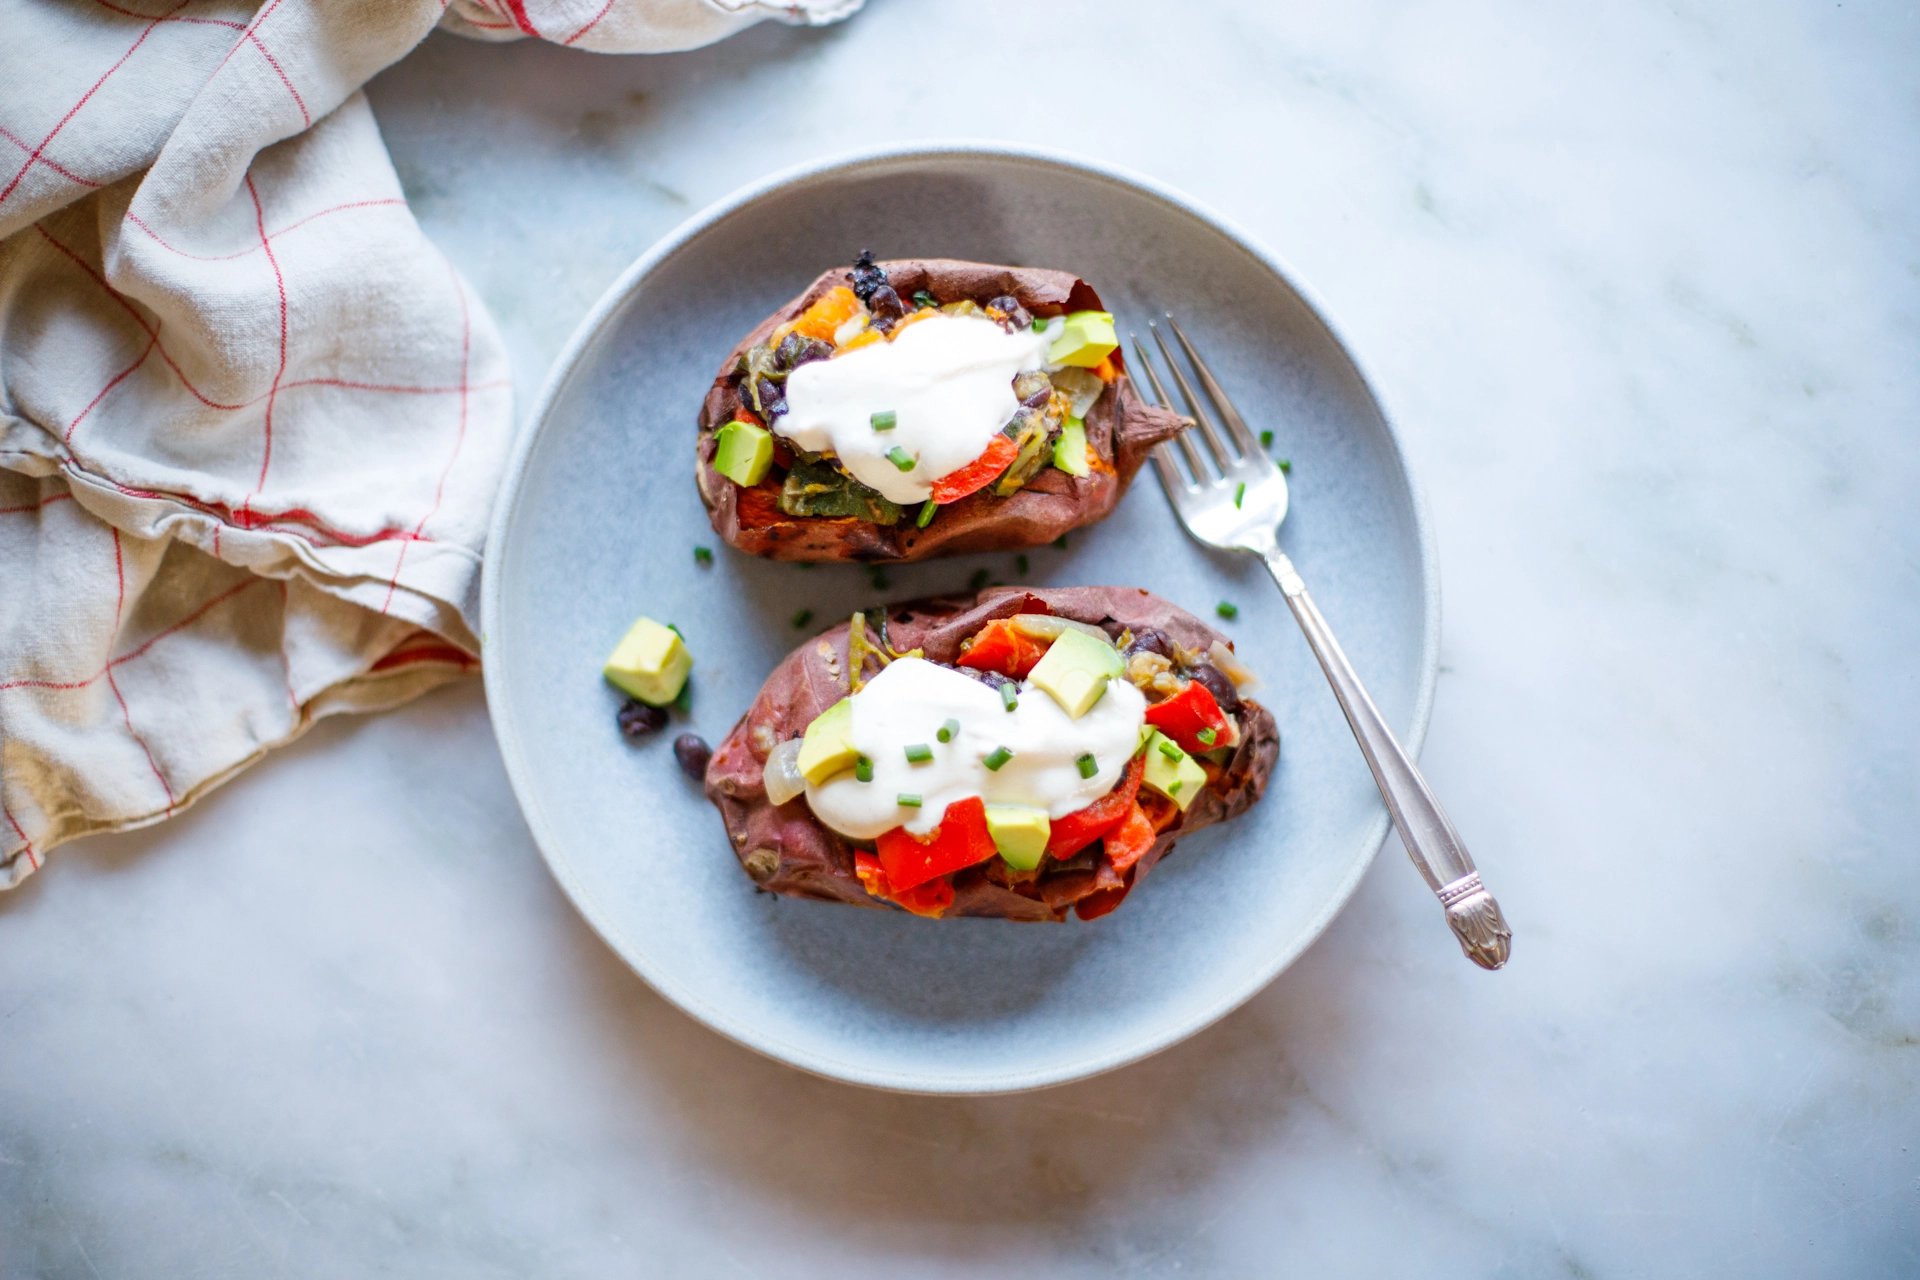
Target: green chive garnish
[683,700]
[702,556]
[921,298]
[978,580]
[926,514]
[1286,465]
[1088,765]
[999,757]
[1020,565]
[885,420]
[1174,790]
[1171,750]
[1009,696]
[900,458]
[1207,737]
[907,800]
[1266,439]
[863,769]
[919,753]
[1060,542]
[1238,495]
[1227,609]
[803,617]
[949,731]
[879,578]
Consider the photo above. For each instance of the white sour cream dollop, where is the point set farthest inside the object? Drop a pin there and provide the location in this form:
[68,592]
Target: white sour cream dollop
[908,702]
[948,381]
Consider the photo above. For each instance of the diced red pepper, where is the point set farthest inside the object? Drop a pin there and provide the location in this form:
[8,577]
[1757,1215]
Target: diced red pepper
[959,841]
[1133,836]
[1083,826]
[872,878]
[930,899]
[782,455]
[999,647]
[978,474]
[1185,714]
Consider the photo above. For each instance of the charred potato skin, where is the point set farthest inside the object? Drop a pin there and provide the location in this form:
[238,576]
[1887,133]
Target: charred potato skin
[785,849]
[1121,428]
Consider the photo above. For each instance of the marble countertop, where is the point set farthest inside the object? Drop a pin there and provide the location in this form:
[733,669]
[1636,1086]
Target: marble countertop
[1642,286]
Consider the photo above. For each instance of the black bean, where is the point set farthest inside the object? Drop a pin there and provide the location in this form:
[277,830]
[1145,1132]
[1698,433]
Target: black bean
[1017,315]
[886,306]
[638,720]
[1151,640]
[797,349]
[773,397]
[692,751]
[1218,685]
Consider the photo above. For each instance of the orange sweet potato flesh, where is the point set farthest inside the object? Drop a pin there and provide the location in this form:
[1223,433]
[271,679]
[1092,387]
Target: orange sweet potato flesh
[785,849]
[1121,428]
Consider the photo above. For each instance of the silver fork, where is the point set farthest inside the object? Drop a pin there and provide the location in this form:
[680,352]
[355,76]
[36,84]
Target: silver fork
[1235,501]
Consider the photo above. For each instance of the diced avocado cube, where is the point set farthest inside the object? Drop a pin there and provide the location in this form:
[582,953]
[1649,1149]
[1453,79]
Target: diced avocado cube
[743,453]
[1070,450]
[650,662]
[1085,339]
[1019,833]
[1075,671]
[1180,780]
[827,747]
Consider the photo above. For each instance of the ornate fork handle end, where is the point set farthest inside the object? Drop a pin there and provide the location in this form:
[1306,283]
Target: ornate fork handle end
[1477,922]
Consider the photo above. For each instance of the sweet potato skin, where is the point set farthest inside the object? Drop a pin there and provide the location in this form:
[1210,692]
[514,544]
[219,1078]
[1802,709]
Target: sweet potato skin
[1121,428]
[785,849]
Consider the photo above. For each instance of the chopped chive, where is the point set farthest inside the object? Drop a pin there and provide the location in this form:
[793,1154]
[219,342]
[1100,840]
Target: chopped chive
[921,298]
[1171,750]
[879,578]
[1266,439]
[1207,737]
[1227,609]
[949,731]
[702,556]
[675,628]
[1286,465]
[999,757]
[907,800]
[863,769]
[1174,790]
[925,517]
[978,580]
[885,420]
[1239,495]
[803,617]
[1060,543]
[1009,696]
[901,458]
[1088,765]
[683,700]
[1020,565]
[919,753]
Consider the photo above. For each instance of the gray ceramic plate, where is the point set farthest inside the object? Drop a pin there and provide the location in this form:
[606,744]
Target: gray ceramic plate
[598,520]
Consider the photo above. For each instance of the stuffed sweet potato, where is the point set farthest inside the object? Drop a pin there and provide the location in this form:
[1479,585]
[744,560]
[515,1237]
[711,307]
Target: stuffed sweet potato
[901,410]
[1017,754]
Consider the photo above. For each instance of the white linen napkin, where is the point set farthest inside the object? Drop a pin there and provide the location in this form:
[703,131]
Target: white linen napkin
[251,421]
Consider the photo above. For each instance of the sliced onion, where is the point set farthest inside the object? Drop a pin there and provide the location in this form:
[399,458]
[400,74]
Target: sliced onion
[782,772]
[1048,626]
[1232,668]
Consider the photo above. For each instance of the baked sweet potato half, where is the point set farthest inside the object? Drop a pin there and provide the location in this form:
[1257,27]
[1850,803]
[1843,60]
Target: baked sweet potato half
[1016,754]
[902,410]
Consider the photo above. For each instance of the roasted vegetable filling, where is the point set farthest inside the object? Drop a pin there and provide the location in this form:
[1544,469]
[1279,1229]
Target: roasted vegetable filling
[1049,757]
[873,407]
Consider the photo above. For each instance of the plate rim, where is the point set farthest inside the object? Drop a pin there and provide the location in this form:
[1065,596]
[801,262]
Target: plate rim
[506,507]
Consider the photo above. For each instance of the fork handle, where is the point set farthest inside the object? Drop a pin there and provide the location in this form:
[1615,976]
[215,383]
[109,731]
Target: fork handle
[1430,839]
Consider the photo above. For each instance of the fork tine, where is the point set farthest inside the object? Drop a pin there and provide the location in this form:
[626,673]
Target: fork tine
[1171,480]
[1187,447]
[1219,446]
[1249,445]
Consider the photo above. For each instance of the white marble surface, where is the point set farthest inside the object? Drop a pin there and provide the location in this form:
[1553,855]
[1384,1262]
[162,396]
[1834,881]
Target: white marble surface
[1642,283]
